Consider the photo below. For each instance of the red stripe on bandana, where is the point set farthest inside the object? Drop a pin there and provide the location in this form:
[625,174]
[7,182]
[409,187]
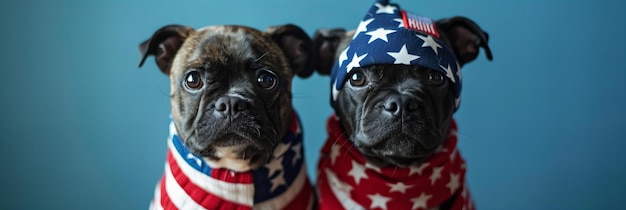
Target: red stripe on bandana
[199,195]
[165,199]
[228,176]
[347,181]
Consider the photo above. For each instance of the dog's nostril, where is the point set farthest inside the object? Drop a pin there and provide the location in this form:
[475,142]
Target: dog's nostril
[221,107]
[411,106]
[240,105]
[222,104]
[230,105]
[391,106]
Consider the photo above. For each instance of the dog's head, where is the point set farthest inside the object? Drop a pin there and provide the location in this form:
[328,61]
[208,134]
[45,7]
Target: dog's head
[396,80]
[230,87]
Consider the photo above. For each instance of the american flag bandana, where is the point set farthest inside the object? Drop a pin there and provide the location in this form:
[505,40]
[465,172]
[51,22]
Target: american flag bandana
[347,181]
[189,182]
[389,35]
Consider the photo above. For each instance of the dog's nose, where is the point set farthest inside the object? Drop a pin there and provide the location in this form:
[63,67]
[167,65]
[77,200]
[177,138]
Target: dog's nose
[230,105]
[395,104]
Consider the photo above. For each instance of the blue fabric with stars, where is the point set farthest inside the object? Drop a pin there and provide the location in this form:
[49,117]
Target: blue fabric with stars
[384,36]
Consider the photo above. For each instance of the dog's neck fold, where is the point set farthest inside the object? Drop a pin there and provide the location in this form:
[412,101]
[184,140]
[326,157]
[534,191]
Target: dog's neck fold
[190,183]
[346,179]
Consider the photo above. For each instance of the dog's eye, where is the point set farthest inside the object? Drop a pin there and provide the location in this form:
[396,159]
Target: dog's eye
[266,79]
[436,79]
[193,81]
[357,79]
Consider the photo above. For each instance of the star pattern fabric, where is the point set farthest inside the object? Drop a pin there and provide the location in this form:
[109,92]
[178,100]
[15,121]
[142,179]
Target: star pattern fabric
[190,183]
[347,181]
[389,35]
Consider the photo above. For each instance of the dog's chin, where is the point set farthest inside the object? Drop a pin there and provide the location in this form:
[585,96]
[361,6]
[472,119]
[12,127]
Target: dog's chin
[237,158]
[236,153]
[399,150]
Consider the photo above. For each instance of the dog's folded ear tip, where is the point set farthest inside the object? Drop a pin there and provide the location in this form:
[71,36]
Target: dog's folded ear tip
[143,60]
[306,73]
[324,72]
[488,53]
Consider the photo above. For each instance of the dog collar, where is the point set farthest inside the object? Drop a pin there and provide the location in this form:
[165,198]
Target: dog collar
[389,35]
[347,181]
[190,183]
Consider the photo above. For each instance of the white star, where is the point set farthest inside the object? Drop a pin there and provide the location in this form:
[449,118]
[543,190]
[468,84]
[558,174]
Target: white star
[278,181]
[400,21]
[453,185]
[453,133]
[464,193]
[436,174]
[384,8]
[418,170]
[379,33]
[344,56]
[334,152]
[358,172]
[335,183]
[452,155]
[373,167]
[341,191]
[274,165]
[399,187]
[334,90]
[448,72]
[403,56]
[429,42]
[191,156]
[281,149]
[297,149]
[420,202]
[378,201]
[362,27]
[355,62]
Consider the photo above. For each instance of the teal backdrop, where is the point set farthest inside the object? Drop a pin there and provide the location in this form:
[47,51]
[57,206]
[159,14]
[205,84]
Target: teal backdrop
[83,127]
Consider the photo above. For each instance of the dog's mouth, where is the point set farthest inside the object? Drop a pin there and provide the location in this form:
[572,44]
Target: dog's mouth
[235,152]
[401,150]
[240,145]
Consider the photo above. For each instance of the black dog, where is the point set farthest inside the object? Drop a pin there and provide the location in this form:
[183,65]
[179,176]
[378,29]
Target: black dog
[394,91]
[235,140]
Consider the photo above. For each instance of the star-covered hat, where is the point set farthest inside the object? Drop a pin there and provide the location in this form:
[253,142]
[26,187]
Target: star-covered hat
[389,35]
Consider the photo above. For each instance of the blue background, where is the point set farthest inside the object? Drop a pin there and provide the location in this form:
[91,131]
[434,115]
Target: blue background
[83,128]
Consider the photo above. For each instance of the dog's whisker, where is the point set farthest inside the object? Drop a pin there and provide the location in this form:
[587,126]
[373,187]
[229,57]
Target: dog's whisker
[259,58]
[467,136]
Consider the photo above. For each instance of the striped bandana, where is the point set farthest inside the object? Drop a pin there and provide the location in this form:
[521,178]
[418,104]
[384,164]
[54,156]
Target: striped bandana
[389,35]
[347,181]
[189,183]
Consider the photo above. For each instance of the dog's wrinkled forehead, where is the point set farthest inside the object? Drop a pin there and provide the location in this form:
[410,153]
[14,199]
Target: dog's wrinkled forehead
[232,40]
[389,35]
[227,45]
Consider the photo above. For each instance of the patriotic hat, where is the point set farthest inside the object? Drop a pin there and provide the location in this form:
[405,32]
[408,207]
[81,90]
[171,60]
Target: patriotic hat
[388,35]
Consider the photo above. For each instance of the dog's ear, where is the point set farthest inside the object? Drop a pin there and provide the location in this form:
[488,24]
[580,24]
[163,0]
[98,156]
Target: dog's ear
[465,38]
[164,44]
[327,42]
[297,46]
